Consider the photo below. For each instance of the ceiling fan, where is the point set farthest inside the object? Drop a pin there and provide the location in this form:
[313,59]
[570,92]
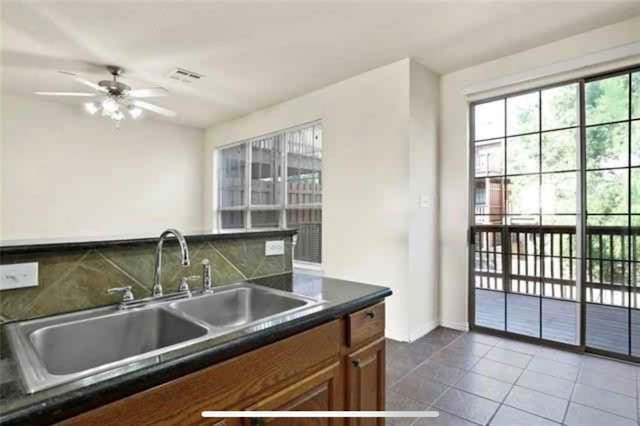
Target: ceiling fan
[114,99]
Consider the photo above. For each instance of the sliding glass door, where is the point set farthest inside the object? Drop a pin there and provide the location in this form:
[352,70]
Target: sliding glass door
[525,209]
[612,207]
[553,191]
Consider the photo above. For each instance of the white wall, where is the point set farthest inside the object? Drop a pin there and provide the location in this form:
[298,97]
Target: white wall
[366,176]
[454,150]
[66,174]
[423,265]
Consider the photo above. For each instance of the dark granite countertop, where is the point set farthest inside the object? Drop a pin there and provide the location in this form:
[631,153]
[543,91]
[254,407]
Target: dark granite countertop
[9,247]
[55,404]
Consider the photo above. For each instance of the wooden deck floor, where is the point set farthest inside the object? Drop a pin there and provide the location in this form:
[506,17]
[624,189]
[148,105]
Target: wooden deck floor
[607,327]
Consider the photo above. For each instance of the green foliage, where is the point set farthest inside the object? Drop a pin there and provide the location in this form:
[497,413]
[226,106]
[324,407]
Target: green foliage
[607,146]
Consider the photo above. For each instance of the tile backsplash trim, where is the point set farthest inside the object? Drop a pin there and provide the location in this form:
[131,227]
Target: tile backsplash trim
[76,278]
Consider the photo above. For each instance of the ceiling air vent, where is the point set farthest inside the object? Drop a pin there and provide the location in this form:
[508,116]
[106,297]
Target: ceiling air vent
[185,76]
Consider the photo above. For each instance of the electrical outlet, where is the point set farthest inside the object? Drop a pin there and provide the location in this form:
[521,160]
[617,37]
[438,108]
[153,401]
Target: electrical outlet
[274,248]
[18,275]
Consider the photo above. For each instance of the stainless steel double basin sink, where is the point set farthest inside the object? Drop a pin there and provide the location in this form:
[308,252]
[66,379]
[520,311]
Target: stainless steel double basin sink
[56,350]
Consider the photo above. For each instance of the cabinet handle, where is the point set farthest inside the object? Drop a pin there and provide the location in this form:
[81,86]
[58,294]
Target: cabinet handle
[371,314]
[356,363]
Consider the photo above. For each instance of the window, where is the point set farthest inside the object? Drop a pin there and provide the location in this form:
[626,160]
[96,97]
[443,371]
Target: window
[280,188]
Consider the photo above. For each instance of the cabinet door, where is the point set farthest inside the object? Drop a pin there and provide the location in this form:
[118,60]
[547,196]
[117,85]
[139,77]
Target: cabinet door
[365,382]
[321,391]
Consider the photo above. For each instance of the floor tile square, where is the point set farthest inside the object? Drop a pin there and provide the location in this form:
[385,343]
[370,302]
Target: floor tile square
[443,335]
[425,350]
[398,402]
[610,367]
[554,368]
[394,373]
[508,416]
[580,415]
[467,406]
[470,347]
[534,402]
[606,401]
[444,419]
[506,356]
[560,356]
[484,386]
[439,372]
[403,358]
[546,384]
[497,370]
[482,338]
[419,389]
[516,346]
[456,359]
[610,383]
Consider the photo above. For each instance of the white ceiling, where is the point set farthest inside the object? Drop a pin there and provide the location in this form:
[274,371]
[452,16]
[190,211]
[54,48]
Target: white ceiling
[255,54]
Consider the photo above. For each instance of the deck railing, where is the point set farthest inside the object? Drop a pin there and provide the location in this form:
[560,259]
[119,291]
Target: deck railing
[543,261]
[309,244]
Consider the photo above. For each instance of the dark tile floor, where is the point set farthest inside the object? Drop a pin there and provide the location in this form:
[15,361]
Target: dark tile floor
[473,378]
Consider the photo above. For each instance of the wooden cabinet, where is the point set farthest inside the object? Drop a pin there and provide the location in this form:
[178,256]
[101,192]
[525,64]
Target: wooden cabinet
[365,381]
[335,366]
[321,391]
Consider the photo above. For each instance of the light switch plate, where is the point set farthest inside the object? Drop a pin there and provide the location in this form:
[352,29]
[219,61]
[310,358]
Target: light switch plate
[425,200]
[274,248]
[18,275]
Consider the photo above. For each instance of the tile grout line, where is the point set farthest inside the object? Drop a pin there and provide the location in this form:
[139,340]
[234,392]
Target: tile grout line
[229,262]
[573,389]
[513,385]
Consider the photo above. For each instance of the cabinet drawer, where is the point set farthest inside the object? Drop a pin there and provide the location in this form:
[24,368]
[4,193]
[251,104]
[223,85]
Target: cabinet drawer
[365,325]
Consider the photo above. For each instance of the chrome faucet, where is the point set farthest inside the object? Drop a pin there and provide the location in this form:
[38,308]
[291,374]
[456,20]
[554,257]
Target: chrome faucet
[127,295]
[184,257]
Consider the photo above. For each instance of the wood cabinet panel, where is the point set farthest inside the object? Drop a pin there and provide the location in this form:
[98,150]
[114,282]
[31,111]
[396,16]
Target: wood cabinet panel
[365,325]
[365,389]
[233,384]
[321,391]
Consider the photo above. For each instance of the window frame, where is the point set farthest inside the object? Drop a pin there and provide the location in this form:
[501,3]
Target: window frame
[248,207]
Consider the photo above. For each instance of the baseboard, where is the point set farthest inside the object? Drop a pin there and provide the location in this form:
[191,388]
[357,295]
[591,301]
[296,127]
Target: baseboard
[423,330]
[462,326]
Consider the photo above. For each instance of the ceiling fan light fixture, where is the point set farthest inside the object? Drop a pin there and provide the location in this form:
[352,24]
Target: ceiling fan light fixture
[114,99]
[135,112]
[91,107]
[117,115]
[109,106]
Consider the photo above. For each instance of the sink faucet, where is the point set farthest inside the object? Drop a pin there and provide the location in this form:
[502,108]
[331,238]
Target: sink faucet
[184,257]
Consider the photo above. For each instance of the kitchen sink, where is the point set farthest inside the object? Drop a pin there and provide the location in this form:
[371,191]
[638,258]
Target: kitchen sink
[81,345]
[100,342]
[238,307]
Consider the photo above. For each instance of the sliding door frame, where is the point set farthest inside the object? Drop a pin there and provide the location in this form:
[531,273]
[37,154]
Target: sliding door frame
[581,220]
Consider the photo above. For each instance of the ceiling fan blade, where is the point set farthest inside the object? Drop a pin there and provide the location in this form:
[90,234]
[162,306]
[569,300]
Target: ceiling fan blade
[148,93]
[154,108]
[81,80]
[78,94]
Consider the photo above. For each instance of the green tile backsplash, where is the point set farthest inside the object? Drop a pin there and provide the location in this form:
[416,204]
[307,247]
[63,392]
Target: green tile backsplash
[73,279]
